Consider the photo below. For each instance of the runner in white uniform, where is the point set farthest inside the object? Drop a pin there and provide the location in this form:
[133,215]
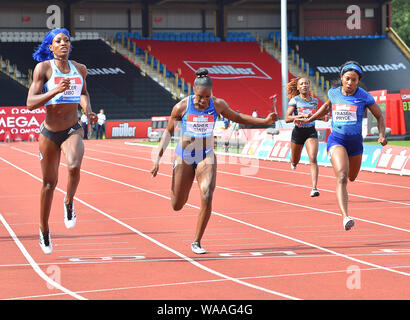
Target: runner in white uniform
[59,84]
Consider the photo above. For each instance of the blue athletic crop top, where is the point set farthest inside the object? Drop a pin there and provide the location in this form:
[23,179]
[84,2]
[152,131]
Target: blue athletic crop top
[196,123]
[348,111]
[303,106]
[73,94]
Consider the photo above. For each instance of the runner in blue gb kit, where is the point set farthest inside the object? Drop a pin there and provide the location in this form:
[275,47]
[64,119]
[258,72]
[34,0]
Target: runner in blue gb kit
[301,104]
[194,155]
[348,103]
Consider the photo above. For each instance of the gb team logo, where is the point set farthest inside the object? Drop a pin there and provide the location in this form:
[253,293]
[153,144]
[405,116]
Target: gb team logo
[229,70]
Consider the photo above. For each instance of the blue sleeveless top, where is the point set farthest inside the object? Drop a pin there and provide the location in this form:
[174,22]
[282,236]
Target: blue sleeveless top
[196,123]
[73,94]
[348,111]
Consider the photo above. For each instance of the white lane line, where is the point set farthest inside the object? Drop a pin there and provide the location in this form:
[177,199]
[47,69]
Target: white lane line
[215,213]
[100,260]
[229,173]
[243,192]
[256,178]
[203,281]
[33,263]
[177,253]
[253,166]
[87,243]
[255,195]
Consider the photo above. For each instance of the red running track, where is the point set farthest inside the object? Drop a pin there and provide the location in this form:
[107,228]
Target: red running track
[266,240]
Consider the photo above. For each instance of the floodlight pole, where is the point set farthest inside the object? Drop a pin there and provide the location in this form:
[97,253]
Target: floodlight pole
[284,53]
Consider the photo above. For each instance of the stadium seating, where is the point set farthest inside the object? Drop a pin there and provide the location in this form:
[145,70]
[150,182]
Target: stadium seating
[12,92]
[386,67]
[35,36]
[114,84]
[242,74]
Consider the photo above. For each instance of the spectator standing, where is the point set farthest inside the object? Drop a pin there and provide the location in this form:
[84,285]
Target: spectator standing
[101,124]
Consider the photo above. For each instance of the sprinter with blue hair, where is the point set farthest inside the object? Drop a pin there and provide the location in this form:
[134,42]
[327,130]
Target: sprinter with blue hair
[59,85]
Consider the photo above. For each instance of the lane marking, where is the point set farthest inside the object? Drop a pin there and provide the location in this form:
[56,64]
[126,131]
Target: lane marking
[215,213]
[33,263]
[251,166]
[177,253]
[204,281]
[257,196]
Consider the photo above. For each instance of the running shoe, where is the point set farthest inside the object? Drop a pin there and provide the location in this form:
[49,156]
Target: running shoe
[69,216]
[348,223]
[314,193]
[196,248]
[293,166]
[45,242]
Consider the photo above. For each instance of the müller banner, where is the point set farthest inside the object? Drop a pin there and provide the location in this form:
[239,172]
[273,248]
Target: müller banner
[17,123]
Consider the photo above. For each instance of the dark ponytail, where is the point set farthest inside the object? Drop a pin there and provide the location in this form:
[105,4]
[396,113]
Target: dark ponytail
[202,79]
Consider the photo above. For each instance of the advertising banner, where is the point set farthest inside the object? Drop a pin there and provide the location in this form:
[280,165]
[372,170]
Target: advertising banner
[405,98]
[17,123]
[126,129]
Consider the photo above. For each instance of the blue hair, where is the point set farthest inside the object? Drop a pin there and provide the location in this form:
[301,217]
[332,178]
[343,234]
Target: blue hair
[43,51]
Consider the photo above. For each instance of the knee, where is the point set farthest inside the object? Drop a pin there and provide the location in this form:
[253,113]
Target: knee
[74,170]
[49,184]
[341,178]
[207,196]
[177,206]
[312,160]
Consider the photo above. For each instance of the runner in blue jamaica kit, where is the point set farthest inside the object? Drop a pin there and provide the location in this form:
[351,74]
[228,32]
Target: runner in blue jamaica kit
[194,155]
[348,104]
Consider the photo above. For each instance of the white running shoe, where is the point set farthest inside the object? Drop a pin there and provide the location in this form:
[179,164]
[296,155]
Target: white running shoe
[196,248]
[69,215]
[45,242]
[314,193]
[293,166]
[348,223]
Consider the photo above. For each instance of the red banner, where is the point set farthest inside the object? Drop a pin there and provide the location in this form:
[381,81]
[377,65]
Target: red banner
[127,129]
[19,123]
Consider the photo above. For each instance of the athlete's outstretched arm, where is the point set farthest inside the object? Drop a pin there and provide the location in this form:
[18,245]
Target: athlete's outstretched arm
[320,113]
[377,113]
[35,97]
[177,112]
[223,109]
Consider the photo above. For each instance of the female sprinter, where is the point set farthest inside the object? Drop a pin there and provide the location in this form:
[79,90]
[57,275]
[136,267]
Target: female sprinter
[348,103]
[194,156]
[302,103]
[59,84]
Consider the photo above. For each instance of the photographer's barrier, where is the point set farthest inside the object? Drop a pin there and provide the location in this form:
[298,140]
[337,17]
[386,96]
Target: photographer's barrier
[17,123]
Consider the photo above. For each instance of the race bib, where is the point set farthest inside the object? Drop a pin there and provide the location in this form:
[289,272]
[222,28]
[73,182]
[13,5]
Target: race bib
[305,110]
[302,110]
[200,124]
[73,93]
[344,114]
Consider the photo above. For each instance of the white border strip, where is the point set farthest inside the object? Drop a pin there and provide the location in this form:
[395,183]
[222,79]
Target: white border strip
[177,253]
[34,265]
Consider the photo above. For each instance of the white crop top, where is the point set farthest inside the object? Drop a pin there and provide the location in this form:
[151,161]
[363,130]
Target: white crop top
[73,94]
